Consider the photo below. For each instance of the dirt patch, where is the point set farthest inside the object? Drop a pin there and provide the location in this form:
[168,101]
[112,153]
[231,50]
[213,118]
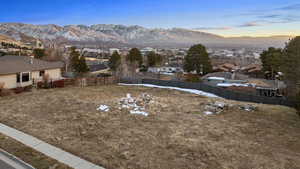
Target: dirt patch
[176,134]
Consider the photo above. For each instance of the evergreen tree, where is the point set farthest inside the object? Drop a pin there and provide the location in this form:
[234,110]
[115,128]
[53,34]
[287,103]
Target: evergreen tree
[291,66]
[153,59]
[198,60]
[135,57]
[74,58]
[82,66]
[78,63]
[272,60]
[114,61]
[39,53]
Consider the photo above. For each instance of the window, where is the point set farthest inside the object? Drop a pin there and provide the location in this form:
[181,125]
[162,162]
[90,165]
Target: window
[25,77]
[18,77]
[42,72]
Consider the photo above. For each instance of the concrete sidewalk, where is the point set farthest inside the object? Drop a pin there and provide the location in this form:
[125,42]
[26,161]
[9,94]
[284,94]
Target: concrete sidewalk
[47,149]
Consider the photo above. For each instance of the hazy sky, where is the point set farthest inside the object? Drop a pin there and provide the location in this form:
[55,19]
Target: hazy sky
[223,17]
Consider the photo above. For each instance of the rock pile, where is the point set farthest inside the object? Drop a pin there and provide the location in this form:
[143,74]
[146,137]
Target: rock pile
[218,107]
[215,108]
[248,107]
[136,105]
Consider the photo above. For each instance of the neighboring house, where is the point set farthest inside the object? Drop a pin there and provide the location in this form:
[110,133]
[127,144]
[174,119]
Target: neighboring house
[163,70]
[22,71]
[98,68]
[226,67]
[253,70]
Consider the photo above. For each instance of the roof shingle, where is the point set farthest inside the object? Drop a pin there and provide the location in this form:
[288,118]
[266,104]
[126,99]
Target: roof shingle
[16,64]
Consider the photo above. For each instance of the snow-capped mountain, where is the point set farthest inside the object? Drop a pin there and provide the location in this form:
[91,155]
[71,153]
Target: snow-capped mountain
[125,34]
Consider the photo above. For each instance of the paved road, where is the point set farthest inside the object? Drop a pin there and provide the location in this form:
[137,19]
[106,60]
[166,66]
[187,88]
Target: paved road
[8,161]
[3,165]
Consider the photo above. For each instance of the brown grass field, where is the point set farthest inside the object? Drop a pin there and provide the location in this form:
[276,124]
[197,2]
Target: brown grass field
[176,134]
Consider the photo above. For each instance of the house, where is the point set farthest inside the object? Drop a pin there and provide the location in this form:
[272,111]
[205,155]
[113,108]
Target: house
[226,67]
[253,70]
[113,50]
[224,79]
[98,68]
[165,70]
[22,71]
[146,50]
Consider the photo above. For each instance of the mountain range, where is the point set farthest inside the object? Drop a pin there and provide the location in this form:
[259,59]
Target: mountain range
[131,35]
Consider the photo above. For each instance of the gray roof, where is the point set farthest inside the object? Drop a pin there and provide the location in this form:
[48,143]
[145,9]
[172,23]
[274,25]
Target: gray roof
[16,64]
[98,67]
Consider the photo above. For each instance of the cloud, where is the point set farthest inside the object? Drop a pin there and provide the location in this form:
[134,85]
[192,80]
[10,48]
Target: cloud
[270,16]
[213,28]
[293,7]
[250,24]
[280,15]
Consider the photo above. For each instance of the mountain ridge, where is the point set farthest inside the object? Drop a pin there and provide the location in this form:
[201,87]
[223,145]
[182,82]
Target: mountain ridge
[131,35]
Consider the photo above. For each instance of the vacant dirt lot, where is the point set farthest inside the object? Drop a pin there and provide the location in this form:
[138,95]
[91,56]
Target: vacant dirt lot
[176,134]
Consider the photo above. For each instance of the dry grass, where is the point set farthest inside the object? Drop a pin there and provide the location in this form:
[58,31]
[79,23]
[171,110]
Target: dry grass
[176,135]
[29,155]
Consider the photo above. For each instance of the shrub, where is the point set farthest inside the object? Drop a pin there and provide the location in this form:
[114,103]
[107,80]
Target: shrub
[2,84]
[27,89]
[59,84]
[6,92]
[298,103]
[19,90]
[192,78]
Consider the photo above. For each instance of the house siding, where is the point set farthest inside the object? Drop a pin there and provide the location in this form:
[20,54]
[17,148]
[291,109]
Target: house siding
[54,74]
[10,81]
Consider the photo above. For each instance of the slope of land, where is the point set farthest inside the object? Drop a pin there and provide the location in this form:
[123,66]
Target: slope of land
[176,134]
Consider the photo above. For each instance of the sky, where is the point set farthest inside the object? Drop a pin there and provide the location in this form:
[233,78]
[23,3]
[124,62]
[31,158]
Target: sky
[223,17]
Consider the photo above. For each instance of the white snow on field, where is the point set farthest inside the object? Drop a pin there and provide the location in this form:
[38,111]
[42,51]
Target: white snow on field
[233,84]
[194,91]
[216,78]
[208,113]
[103,108]
[139,112]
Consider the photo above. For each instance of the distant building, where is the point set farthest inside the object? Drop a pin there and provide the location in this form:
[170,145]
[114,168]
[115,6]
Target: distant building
[164,70]
[92,50]
[98,68]
[226,67]
[146,50]
[113,50]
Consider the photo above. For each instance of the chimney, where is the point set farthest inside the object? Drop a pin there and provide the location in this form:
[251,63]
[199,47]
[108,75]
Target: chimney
[31,60]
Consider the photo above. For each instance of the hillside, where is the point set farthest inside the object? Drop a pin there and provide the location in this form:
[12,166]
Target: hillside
[130,35]
[177,133]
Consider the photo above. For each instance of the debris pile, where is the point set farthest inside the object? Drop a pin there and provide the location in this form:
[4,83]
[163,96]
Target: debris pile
[248,107]
[136,105]
[215,108]
[218,107]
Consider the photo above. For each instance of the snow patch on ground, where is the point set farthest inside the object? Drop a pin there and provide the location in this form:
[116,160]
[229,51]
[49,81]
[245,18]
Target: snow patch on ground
[104,108]
[208,113]
[139,112]
[235,85]
[194,91]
